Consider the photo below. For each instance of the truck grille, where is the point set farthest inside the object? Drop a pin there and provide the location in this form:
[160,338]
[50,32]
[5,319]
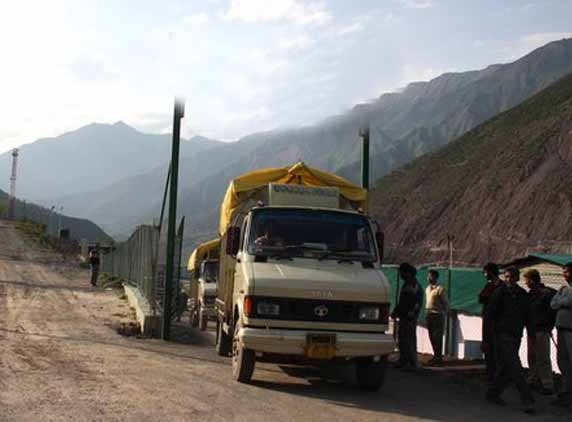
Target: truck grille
[320,310]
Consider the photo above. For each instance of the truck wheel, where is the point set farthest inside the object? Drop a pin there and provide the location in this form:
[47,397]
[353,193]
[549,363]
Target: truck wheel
[223,341]
[202,319]
[243,360]
[371,375]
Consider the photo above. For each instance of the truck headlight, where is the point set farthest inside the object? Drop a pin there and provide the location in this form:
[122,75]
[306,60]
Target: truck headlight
[267,308]
[369,313]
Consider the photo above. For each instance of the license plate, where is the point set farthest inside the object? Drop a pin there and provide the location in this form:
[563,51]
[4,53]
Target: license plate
[321,346]
[315,351]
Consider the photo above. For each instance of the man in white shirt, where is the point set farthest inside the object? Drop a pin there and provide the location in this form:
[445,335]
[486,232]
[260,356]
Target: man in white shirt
[436,308]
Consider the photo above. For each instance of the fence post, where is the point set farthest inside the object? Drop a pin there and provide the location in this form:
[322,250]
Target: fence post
[179,113]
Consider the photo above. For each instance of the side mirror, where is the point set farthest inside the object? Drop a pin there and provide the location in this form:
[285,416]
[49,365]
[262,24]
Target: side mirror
[232,240]
[380,239]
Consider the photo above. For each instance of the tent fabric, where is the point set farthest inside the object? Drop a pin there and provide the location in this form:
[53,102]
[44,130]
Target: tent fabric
[557,259]
[466,283]
[241,187]
[199,253]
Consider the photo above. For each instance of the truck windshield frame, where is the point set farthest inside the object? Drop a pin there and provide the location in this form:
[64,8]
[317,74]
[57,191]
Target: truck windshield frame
[209,271]
[311,233]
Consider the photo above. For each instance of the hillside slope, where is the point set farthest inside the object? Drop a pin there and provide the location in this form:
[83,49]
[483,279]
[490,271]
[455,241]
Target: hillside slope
[79,228]
[500,190]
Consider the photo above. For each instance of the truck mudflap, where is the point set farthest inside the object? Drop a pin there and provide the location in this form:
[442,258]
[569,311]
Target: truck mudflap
[316,345]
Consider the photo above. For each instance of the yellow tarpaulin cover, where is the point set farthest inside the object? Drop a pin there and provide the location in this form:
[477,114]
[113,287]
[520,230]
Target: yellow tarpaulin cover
[200,252]
[299,174]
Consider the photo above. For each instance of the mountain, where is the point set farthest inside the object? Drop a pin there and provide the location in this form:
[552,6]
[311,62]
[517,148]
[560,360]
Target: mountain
[79,228]
[89,159]
[404,125]
[500,190]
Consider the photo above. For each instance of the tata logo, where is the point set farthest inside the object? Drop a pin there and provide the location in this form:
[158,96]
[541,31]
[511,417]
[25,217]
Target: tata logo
[321,311]
[322,294]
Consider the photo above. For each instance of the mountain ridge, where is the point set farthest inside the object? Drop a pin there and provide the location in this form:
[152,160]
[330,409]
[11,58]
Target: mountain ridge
[404,125]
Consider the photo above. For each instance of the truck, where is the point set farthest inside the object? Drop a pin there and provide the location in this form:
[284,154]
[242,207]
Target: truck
[300,275]
[203,269]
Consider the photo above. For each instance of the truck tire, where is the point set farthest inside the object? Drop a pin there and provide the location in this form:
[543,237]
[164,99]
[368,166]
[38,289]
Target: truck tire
[223,343]
[243,360]
[203,319]
[371,375]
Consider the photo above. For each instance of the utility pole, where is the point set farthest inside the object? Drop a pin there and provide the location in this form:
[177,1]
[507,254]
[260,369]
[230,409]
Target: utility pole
[50,218]
[179,113]
[60,220]
[364,134]
[12,199]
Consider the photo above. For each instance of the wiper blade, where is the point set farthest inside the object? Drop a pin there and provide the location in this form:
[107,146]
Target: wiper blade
[346,255]
[333,253]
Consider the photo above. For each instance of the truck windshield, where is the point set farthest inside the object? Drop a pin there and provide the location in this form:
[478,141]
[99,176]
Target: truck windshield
[209,271]
[318,234]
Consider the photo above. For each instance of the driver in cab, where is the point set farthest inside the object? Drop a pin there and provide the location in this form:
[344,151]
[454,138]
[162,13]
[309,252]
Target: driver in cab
[271,236]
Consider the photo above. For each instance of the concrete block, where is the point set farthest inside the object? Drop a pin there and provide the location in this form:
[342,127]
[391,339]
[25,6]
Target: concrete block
[149,321]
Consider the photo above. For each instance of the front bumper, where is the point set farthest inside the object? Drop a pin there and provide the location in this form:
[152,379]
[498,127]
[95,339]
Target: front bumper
[293,342]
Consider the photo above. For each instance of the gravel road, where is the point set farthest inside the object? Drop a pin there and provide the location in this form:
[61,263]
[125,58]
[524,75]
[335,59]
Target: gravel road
[62,360]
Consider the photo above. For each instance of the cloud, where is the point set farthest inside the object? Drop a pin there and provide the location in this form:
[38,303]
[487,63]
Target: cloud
[300,42]
[91,70]
[390,18]
[416,4]
[196,19]
[478,43]
[358,24]
[264,11]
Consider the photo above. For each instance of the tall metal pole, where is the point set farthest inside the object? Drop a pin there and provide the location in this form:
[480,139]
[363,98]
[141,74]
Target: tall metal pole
[179,113]
[364,133]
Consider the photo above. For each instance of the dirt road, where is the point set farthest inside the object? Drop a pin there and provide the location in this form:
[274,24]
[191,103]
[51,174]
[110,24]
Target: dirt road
[61,360]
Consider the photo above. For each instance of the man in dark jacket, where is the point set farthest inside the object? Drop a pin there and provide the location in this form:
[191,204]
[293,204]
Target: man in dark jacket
[508,312]
[407,310]
[562,304]
[488,347]
[543,317]
[94,264]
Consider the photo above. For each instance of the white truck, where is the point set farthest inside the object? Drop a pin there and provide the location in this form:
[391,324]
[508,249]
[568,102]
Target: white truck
[203,268]
[300,274]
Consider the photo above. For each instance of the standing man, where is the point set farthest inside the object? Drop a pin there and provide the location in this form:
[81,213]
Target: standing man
[407,310]
[562,303]
[94,264]
[488,346]
[543,318]
[437,308]
[508,312]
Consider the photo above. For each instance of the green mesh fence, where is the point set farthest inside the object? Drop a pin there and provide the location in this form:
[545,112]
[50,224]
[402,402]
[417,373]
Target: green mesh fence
[466,283]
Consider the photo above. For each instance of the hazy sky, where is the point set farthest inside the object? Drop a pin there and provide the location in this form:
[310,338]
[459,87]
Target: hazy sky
[242,65]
